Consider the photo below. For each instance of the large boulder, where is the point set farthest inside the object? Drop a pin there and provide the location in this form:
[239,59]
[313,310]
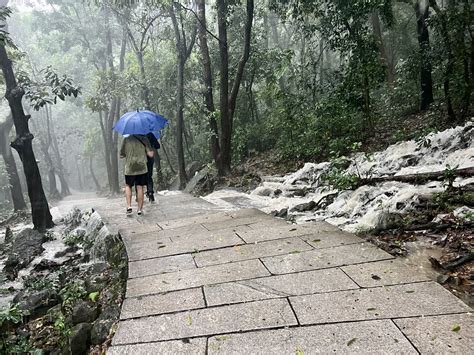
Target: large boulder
[36,303]
[196,179]
[84,312]
[103,324]
[25,246]
[302,207]
[80,338]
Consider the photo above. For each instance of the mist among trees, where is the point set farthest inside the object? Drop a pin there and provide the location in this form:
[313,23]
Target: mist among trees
[301,80]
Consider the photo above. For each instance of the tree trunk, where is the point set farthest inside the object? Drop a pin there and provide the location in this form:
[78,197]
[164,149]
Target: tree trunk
[41,215]
[426,81]
[207,80]
[91,169]
[380,43]
[145,94]
[228,102]
[106,147]
[468,60]
[182,54]
[65,191]
[111,136]
[79,175]
[53,187]
[224,159]
[114,150]
[450,59]
[420,178]
[10,166]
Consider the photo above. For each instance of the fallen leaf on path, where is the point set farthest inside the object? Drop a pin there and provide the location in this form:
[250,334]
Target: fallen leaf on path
[456,328]
[350,342]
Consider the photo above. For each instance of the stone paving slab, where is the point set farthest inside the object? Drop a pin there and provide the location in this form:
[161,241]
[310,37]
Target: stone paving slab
[247,316]
[331,239]
[318,234]
[162,303]
[387,272]
[325,258]
[419,299]
[302,283]
[251,251]
[195,346]
[242,221]
[269,223]
[132,230]
[182,244]
[435,335]
[160,265]
[254,235]
[195,220]
[195,278]
[372,337]
[165,233]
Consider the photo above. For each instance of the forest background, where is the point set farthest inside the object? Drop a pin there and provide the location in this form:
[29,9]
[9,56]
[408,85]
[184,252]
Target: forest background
[287,81]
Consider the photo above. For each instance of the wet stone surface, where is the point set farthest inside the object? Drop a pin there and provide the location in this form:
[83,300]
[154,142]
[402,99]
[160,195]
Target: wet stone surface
[203,280]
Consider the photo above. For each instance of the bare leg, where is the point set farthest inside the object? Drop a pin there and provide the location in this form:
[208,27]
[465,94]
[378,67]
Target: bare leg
[128,196]
[140,197]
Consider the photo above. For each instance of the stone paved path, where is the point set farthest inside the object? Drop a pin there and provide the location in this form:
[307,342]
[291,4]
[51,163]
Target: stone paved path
[203,281]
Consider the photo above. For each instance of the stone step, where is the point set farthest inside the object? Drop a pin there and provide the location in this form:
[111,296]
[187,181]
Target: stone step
[251,251]
[209,321]
[160,265]
[453,334]
[195,278]
[373,337]
[302,283]
[410,300]
[143,306]
[325,258]
[196,346]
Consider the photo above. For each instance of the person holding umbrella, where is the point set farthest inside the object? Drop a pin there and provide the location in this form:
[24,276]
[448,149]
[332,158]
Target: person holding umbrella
[136,149]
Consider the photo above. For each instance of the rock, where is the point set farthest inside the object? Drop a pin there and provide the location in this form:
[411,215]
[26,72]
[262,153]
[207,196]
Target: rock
[25,246]
[200,175]
[308,206]
[277,192]
[263,191]
[103,324]
[8,235]
[98,268]
[389,221]
[409,160]
[80,338]
[68,250]
[442,279]
[80,232]
[298,193]
[281,213]
[45,264]
[193,168]
[36,303]
[84,312]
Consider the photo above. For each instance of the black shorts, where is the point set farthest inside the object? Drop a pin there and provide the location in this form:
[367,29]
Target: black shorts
[137,180]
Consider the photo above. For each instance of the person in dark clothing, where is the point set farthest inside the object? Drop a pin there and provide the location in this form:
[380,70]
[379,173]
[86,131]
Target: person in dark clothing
[150,162]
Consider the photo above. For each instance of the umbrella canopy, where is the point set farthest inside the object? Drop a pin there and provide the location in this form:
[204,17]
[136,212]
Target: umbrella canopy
[140,122]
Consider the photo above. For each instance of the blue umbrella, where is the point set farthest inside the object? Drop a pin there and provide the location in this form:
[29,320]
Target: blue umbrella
[140,122]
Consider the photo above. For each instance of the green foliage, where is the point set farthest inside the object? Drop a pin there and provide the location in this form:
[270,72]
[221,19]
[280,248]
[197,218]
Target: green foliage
[449,175]
[49,89]
[10,343]
[72,292]
[11,314]
[93,296]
